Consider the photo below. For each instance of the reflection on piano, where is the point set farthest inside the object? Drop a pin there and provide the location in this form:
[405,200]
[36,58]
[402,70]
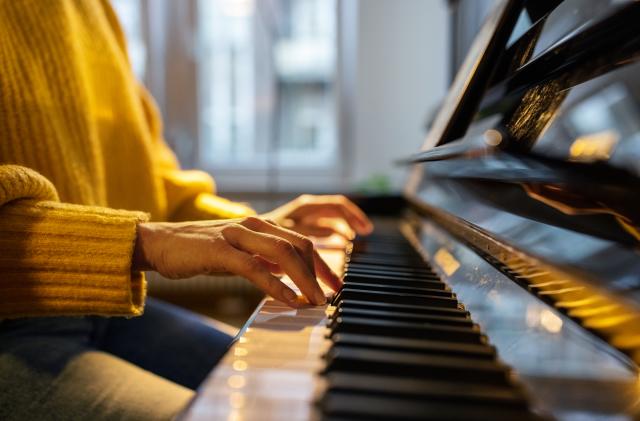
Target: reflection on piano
[505,283]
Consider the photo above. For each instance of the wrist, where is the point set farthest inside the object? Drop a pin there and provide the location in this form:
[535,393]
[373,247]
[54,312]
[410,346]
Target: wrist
[140,261]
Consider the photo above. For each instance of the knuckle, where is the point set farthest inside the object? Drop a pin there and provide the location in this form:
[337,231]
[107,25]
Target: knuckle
[306,245]
[252,222]
[231,229]
[254,267]
[284,247]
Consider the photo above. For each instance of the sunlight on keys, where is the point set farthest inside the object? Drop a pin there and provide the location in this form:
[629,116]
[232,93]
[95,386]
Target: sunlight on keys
[237,400]
[236,381]
[241,352]
[240,365]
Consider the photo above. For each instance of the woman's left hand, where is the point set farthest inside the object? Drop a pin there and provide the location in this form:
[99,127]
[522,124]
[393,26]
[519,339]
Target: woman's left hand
[320,216]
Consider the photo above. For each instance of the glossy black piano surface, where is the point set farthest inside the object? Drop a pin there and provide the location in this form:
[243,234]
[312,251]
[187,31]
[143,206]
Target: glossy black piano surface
[505,283]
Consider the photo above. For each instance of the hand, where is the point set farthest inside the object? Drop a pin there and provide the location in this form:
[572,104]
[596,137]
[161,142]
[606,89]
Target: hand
[317,216]
[251,247]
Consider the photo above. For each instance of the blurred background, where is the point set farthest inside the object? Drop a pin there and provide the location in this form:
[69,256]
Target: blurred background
[280,97]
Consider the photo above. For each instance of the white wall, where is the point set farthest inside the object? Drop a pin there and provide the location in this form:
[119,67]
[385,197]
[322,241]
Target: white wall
[401,75]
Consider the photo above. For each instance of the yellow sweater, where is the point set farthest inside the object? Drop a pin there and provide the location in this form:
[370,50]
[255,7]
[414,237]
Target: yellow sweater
[80,142]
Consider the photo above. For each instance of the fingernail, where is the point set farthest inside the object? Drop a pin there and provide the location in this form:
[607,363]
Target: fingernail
[290,296]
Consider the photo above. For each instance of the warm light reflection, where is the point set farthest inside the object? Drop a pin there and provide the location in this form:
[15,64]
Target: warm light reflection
[240,352]
[234,416]
[594,147]
[541,317]
[492,137]
[236,381]
[447,262]
[237,400]
[550,321]
[240,365]
[594,309]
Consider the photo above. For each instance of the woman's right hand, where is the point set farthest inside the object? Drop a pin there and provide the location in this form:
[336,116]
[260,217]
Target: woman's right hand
[252,247]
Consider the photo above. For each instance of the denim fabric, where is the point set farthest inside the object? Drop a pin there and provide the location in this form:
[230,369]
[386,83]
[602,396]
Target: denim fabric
[105,368]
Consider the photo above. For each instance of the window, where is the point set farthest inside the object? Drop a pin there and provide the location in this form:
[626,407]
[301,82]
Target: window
[130,15]
[266,84]
[251,90]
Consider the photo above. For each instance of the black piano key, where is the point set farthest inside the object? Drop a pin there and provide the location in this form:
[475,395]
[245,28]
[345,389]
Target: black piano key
[387,261]
[408,270]
[458,311]
[420,346]
[404,348]
[471,335]
[350,406]
[391,274]
[386,250]
[387,280]
[427,367]
[402,317]
[347,293]
[414,259]
[400,289]
[442,391]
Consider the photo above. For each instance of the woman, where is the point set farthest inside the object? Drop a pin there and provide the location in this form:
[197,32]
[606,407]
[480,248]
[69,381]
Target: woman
[85,183]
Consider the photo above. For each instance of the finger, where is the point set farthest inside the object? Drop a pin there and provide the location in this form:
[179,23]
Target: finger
[273,268]
[303,245]
[281,252]
[243,264]
[316,230]
[334,209]
[338,225]
[326,274]
[365,222]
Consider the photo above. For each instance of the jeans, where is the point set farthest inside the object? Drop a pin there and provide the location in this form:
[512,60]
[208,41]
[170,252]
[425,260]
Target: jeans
[76,368]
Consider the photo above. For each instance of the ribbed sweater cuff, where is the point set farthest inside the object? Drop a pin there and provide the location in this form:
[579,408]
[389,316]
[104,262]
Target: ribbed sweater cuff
[61,259]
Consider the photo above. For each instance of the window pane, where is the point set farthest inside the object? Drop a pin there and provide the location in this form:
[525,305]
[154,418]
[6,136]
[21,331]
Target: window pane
[266,83]
[130,15]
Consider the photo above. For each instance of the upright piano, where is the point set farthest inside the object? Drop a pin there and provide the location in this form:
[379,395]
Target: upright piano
[505,282]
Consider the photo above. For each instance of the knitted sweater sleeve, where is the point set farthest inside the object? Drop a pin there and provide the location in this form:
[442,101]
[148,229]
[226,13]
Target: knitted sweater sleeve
[63,259]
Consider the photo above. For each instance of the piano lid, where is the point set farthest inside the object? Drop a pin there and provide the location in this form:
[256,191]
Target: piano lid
[548,168]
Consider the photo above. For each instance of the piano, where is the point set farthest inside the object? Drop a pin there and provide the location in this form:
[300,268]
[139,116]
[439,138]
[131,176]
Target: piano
[504,283]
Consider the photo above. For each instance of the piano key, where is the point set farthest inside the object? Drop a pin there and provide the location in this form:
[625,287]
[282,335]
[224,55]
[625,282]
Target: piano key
[399,288]
[406,330]
[387,261]
[402,317]
[392,297]
[409,258]
[443,391]
[420,346]
[409,270]
[392,274]
[458,311]
[348,406]
[385,249]
[427,367]
[393,280]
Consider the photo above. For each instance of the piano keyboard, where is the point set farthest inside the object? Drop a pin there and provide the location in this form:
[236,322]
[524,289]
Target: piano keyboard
[394,343]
